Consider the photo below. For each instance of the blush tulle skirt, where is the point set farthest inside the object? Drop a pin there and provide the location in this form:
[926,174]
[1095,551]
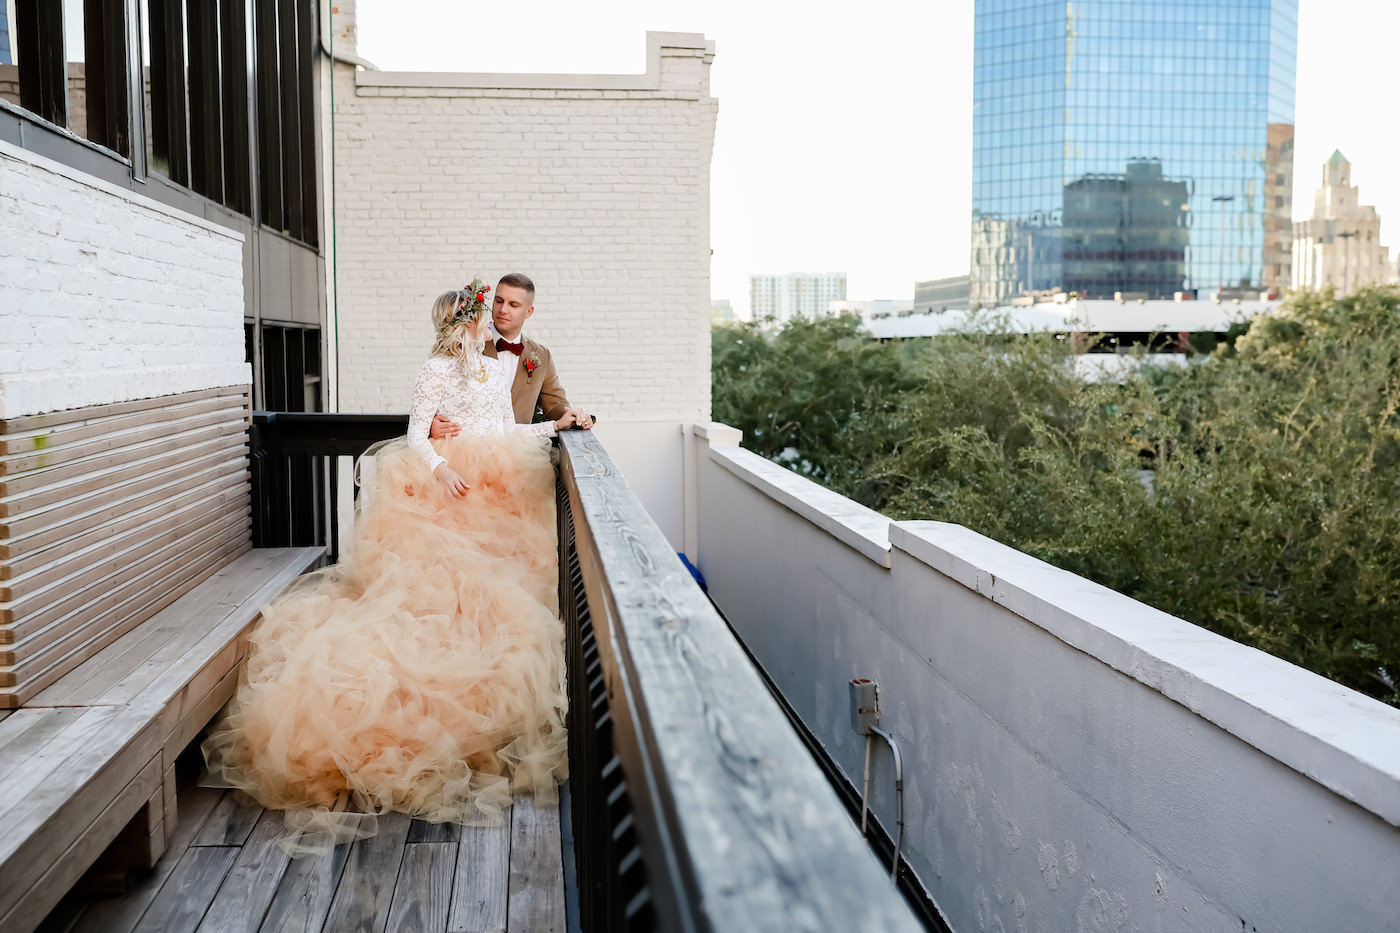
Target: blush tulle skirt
[424,673]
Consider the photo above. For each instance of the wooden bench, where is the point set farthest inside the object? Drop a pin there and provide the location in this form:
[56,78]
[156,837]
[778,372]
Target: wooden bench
[87,764]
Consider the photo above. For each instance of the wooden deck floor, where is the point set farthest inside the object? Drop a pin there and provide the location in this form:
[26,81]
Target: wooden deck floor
[224,872]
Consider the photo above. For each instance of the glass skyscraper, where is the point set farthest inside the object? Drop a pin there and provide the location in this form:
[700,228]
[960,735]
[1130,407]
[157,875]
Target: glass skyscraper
[1135,146]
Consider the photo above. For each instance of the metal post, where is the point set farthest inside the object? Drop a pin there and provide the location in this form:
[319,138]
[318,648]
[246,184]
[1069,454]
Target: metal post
[1220,258]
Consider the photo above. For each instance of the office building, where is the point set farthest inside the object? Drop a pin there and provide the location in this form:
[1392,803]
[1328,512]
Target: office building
[942,294]
[797,294]
[1340,245]
[1131,148]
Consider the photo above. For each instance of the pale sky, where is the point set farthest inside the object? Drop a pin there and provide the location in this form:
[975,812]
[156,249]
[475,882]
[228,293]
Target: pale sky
[844,141]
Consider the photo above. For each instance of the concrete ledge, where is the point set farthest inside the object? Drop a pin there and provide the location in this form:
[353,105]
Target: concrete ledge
[718,433]
[862,529]
[1339,738]
[648,81]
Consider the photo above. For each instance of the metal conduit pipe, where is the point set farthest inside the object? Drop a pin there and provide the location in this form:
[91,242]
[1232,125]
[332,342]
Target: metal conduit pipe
[865,714]
[898,795]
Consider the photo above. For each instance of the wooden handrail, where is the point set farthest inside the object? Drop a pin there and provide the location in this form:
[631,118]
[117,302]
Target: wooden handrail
[738,828]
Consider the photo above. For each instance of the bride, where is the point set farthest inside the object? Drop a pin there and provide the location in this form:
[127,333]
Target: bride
[423,673]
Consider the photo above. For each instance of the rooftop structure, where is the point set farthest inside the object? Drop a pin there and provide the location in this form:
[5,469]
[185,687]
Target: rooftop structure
[943,294]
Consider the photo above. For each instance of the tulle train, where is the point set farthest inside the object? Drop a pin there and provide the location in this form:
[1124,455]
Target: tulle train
[424,673]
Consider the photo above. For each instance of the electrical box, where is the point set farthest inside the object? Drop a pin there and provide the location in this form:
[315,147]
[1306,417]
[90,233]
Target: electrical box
[865,705]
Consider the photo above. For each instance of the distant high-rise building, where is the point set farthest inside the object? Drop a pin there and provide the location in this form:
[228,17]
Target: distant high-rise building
[1341,245]
[796,294]
[1131,147]
[942,294]
[721,311]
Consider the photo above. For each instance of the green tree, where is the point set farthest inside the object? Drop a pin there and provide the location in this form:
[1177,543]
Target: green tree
[1255,492]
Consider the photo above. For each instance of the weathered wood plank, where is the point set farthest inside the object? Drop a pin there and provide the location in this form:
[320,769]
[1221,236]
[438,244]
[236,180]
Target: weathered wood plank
[423,831]
[158,530]
[26,494]
[28,616]
[32,888]
[22,556]
[714,769]
[61,461]
[190,889]
[27,679]
[303,896]
[536,894]
[56,436]
[27,734]
[121,914]
[24,531]
[230,824]
[246,895]
[163,657]
[366,889]
[87,413]
[424,887]
[483,872]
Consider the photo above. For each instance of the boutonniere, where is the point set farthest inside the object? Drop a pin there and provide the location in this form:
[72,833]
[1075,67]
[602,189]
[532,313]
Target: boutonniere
[531,363]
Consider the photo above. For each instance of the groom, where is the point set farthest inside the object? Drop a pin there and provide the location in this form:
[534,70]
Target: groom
[535,381]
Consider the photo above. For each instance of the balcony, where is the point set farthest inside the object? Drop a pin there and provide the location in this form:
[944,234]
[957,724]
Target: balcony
[1071,759]
[692,803]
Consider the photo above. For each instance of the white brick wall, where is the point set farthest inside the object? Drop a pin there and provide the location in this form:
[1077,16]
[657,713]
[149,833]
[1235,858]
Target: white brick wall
[106,296]
[600,194]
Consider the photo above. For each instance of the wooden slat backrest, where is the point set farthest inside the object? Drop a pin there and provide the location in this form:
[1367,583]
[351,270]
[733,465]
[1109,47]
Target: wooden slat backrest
[108,514]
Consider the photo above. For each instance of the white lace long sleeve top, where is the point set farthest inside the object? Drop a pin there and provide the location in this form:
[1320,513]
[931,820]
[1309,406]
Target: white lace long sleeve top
[481,407]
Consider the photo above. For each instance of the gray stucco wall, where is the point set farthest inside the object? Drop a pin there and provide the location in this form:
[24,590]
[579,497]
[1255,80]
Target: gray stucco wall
[1075,760]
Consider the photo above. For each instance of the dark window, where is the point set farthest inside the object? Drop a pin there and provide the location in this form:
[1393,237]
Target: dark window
[103,75]
[285,50]
[291,368]
[36,76]
[67,62]
[233,45]
[167,119]
[206,100]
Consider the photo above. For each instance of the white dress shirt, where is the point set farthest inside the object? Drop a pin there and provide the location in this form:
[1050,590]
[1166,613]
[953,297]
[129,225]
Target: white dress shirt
[510,370]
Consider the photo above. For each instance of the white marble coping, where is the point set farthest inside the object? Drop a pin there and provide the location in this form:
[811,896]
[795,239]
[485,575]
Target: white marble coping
[650,80]
[19,154]
[1336,736]
[865,530]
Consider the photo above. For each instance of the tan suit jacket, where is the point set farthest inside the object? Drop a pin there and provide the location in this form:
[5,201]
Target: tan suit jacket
[537,389]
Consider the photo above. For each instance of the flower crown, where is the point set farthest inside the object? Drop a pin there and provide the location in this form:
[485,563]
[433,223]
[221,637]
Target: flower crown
[471,307]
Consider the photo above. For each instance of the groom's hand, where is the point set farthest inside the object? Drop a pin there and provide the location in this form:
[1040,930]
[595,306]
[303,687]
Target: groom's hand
[582,419]
[443,426]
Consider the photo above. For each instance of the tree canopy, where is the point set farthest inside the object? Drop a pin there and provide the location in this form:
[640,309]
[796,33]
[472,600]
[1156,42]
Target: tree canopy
[1254,491]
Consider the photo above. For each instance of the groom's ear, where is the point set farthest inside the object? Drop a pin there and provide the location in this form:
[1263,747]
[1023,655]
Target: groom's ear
[529,312]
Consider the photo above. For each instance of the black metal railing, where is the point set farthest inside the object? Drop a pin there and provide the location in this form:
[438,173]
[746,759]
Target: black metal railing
[296,482]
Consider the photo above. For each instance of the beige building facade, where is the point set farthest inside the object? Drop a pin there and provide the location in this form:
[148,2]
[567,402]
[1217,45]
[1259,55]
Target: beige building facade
[1340,246]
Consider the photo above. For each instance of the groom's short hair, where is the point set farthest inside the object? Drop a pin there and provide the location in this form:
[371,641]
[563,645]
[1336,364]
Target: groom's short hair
[518,280]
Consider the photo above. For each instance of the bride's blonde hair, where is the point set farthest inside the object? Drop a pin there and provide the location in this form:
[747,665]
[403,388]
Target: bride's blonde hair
[453,314]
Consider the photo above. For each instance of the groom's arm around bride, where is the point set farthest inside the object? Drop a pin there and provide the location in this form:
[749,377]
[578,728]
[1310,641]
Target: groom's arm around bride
[535,381]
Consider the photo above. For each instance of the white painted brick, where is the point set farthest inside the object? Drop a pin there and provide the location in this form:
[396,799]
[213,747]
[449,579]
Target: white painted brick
[106,296]
[601,197]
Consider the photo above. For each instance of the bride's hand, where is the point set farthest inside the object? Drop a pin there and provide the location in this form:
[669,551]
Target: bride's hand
[567,420]
[456,486]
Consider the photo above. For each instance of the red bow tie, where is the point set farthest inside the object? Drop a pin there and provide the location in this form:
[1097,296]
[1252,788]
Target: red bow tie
[503,344]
